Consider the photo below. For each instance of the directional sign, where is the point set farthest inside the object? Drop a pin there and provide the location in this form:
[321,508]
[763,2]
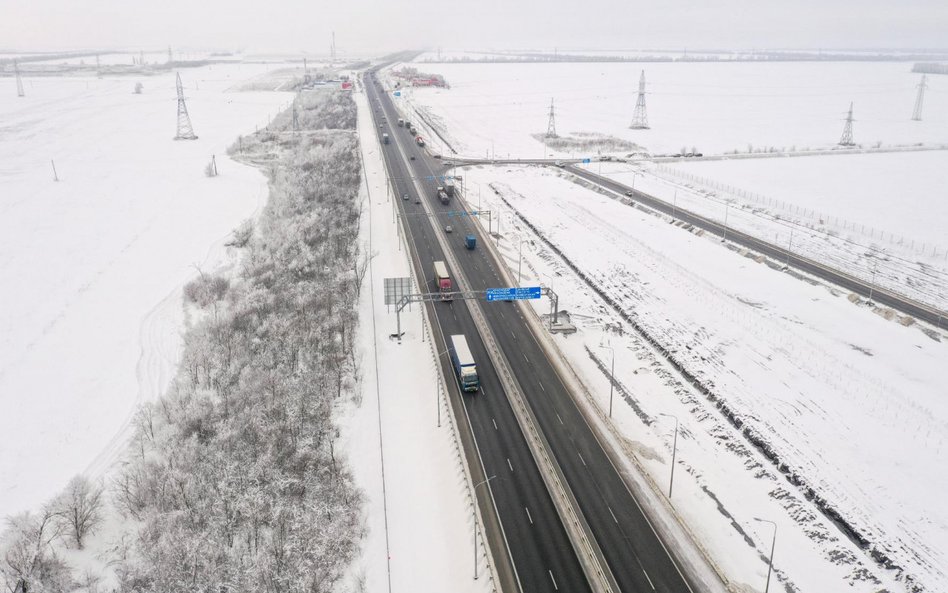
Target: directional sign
[513,293]
[398,93]
[586,161]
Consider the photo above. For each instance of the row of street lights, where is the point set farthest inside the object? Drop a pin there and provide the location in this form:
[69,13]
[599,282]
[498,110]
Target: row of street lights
[671,480]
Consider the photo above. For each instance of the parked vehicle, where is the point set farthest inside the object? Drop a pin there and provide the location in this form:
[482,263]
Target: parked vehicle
[470,241]
[463,362]
[443,280]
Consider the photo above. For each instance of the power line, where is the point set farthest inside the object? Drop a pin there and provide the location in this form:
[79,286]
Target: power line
[639,116]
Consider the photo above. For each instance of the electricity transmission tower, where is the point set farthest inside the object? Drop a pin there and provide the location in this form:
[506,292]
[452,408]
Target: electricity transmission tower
[19,82]
[185,131]
[847,138]
[917,114]
[551,126]
[639,116]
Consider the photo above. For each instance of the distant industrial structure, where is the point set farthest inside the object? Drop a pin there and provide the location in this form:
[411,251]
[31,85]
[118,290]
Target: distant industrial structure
[847,138]
[185,131]
[19,82]
[917,112]
[639,116]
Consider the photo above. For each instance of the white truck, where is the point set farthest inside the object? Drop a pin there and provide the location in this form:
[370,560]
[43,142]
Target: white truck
[463,362]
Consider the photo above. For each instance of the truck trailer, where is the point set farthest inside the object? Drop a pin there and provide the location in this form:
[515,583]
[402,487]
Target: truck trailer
[442,280]
[449,187]
[463,363]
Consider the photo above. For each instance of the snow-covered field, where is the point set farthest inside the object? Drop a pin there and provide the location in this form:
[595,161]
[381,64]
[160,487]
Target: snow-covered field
[90,314]
[713,107]
[851,403]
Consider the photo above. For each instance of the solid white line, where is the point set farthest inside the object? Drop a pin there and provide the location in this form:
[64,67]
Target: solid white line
[649,580]
[581,457]
[613,514]
[528,515]
[510,465]
[495,424]
[554,580]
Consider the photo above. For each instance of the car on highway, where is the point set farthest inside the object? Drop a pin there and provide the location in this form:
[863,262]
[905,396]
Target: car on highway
[447,163]
[404,196]
[418,199]
[628,192]
[448,229]
[560,164]
[412,157]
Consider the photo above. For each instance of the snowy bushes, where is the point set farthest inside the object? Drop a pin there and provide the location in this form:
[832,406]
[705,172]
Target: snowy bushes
[206,289]
[234,474]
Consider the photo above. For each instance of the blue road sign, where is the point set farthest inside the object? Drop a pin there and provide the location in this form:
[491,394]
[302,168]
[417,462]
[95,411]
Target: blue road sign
[513,293]
[586,161]
[398,93]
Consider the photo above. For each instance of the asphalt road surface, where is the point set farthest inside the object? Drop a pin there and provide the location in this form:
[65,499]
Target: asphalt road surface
[538,543]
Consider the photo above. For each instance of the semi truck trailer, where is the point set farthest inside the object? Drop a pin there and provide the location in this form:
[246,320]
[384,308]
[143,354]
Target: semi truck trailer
[463,361]
[443,280]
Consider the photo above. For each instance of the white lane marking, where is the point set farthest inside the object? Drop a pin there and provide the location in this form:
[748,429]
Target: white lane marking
[525,357]
[542,387]
[510,465]
[528,515]
[558,417]
[613,514]
[554,580]
[495,424]
[649,580]
[513,335]
[581,457]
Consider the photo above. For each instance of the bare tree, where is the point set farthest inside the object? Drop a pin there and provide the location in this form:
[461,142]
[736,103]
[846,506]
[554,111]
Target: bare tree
[79,508]
[28,561]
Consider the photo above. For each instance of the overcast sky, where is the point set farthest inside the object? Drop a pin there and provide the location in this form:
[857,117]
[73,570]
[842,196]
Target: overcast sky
[380,25]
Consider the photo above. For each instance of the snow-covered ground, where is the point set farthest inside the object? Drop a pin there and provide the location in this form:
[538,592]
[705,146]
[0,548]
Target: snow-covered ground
[851,403]
[419,515]
[713,107]
[900,192]
[90,315]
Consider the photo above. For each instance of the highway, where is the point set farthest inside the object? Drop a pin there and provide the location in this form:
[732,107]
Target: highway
[539,548]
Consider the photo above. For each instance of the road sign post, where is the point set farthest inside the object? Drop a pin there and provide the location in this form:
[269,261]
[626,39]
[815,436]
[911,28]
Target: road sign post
[513,293]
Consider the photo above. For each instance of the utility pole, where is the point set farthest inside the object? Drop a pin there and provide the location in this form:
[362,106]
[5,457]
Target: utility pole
[671,481]
[170,57]
[917,113]
[185,131]
[847,138]
[19,82]
[551,125]
[639,116]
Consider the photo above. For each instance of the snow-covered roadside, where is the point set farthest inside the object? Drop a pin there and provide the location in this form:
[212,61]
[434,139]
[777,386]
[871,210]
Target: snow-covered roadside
[905,265]
[419,514]
[804,370]
[90,326]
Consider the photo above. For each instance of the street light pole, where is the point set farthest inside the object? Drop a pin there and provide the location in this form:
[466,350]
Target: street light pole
[789,247]
[612,375]
[671,482]
[773,544]
[726,205]
[481,483]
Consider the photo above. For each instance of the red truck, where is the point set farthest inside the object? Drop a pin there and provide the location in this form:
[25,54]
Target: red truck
[443,280]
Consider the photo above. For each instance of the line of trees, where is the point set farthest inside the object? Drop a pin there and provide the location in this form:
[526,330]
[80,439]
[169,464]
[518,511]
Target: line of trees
[232,478]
